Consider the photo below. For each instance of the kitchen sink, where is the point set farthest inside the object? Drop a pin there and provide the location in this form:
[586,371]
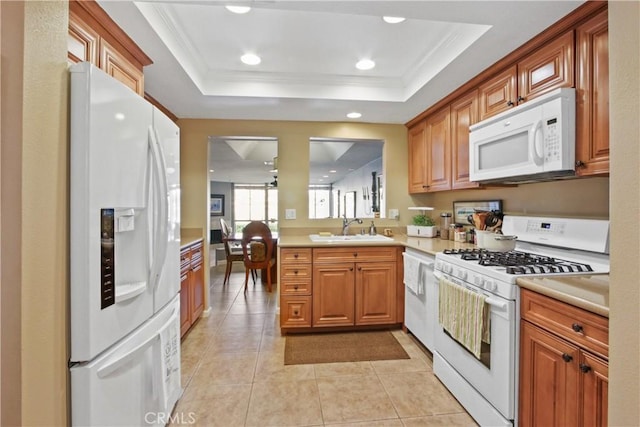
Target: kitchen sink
[352,238]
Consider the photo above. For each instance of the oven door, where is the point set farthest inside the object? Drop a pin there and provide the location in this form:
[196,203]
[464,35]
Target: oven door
[494,375]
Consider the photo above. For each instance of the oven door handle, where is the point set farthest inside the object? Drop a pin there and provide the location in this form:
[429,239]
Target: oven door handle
[500,305]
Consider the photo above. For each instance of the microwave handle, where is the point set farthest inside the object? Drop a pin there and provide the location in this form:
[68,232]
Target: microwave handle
[533,152]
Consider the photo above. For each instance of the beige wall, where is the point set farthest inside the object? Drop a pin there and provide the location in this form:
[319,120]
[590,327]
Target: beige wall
[10,209]
[41,230]
[624,372]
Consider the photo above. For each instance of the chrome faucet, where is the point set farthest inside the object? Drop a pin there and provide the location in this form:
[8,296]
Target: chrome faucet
[346,222]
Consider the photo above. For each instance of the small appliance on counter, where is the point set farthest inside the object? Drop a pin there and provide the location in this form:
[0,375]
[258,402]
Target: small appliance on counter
[423,225]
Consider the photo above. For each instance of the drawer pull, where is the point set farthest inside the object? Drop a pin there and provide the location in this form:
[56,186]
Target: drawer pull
[355,254]
[295,255]
[567,358]
[295,287]
[585,368]
[295,271]
[577,327]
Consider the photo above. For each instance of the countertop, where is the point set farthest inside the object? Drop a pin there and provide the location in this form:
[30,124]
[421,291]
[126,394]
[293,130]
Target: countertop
[425,244]
[587,292]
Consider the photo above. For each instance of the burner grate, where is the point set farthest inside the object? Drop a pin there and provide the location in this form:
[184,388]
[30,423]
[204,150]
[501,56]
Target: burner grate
[517,262]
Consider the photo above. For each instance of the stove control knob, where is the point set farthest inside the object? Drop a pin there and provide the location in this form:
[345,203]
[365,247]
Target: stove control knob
[462,273]
[448,268]
[491,285]
[478,281]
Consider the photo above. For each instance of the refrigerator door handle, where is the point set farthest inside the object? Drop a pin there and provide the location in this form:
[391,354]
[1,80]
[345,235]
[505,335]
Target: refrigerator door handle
[112,367]
[129,290]
[162,231]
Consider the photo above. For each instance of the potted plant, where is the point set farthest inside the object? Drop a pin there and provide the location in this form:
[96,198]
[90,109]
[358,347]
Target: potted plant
[423,226]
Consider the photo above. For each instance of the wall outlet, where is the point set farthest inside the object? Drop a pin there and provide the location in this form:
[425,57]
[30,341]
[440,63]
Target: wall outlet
[394,214]
[289,214]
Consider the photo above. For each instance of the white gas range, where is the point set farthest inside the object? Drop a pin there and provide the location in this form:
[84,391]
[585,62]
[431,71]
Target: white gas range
[487,386]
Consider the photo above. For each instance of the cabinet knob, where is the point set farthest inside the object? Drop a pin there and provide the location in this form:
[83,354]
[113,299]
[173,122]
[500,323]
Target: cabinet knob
[577,327]
[510,103]
[295,271]
[359,268]
[295,287]
[580,164]
[295,255]
[567,358]
[351,269]
[585,368]
[520,99]
[295,313]
[355,254]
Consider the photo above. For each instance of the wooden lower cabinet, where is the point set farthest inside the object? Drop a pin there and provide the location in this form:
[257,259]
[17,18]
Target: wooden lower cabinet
[334,295]
[338,287]
[562,380]
[191,285]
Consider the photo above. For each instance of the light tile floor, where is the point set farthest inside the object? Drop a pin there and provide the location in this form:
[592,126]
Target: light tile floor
[233,374]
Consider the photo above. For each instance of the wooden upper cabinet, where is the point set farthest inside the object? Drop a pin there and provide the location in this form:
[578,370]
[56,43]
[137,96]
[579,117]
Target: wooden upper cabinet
[548,68]
[417,158]
[82,41]
[430,154]
[498,94]
[118,67]
[592,96]
[464,113]
[95,37]
[438,145]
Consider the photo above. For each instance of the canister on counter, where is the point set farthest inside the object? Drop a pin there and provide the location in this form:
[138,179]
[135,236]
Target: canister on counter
[445,220]
[452,231]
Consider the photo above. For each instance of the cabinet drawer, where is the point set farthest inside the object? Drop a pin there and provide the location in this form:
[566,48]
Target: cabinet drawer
[185,260]
[295,272]
[294,255]
[196,255]
[295,287]
[574,324]
[295,311]
[355,254]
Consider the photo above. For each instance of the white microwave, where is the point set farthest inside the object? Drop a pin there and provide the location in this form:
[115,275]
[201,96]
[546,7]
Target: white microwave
[532,142]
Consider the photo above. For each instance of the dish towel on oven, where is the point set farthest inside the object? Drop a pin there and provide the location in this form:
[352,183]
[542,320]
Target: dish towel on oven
[464,315]
[413,277]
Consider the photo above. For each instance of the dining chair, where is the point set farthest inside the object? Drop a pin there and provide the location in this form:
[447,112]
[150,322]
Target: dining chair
[257,248]
[232,250]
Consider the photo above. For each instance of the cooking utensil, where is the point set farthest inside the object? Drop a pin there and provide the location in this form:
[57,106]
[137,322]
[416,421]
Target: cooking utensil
[495,242]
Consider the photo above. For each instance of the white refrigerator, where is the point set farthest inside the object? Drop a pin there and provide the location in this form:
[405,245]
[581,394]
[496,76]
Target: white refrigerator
[125,249]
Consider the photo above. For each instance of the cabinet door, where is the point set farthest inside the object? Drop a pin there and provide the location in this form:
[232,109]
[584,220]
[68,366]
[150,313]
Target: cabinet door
[333,291]
[595,390]
[438,130]
[118,67]
[548,379]
[185,310]
[417,159]
[498,94]
[82,41]
[548,68]
[464,113]
[375,293]
[197,291]
[592,96]
[295,311]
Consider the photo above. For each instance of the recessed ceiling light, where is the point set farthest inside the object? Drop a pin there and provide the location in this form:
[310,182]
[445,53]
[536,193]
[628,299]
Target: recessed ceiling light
[250,59]
[238,9]
[333,171]
[393,19]
[354,115]
[325,176]
[365,64]
[211,170]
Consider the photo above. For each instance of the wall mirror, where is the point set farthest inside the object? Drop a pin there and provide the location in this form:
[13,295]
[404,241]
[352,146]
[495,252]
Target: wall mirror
[345,178]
